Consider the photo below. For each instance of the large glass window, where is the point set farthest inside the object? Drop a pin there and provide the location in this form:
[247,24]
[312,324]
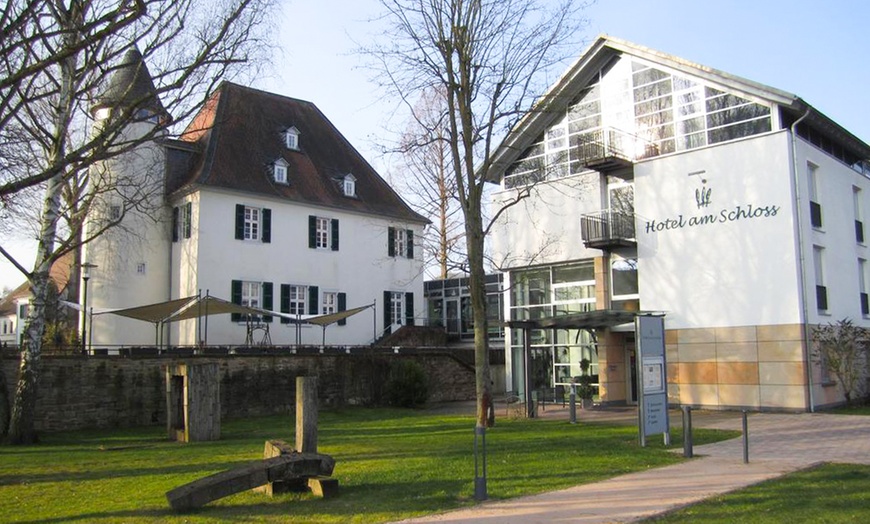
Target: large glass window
[640,110]
[558,290]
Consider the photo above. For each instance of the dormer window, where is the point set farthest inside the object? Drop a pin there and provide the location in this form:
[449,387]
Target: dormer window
[279,171]
[348,185]
[291,138]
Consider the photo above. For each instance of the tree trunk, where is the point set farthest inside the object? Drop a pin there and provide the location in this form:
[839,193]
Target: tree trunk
[477,289]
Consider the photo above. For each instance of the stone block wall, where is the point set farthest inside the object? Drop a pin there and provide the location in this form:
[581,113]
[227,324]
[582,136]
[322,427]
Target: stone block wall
[77,392]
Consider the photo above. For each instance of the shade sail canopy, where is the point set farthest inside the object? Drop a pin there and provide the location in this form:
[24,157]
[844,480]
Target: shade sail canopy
[151,312]
[332,318]
[599,319]
[209,305]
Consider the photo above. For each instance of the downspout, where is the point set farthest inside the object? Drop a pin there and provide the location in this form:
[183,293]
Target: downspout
[804,310]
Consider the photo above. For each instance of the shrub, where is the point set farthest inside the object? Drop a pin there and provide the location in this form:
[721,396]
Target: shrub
[407,386]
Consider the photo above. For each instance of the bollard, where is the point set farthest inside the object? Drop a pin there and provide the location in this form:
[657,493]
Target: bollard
[687,432]
[745,438]
[572,402]
[480,480]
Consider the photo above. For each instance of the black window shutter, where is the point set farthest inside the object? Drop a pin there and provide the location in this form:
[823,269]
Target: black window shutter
[409,309]
[240,222]
[342,306]
[391,242]
[285,302]
[313,302]
[334,225]
[387,307]
[175,224]
[188,219]
[267,300]
[312,231]
[267,226]
[236,298]
[410,235]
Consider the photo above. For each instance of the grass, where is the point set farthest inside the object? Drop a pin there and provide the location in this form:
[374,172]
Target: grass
[832,493]
[852,410]
[391,464]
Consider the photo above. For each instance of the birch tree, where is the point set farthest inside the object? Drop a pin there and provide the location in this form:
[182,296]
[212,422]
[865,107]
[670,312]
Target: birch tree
[56,60]
[487,57]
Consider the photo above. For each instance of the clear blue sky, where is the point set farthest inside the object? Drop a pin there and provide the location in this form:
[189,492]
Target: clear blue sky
[817,50]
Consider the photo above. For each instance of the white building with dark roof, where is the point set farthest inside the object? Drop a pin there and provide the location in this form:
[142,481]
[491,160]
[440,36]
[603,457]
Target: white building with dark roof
[735,209]
[267,205]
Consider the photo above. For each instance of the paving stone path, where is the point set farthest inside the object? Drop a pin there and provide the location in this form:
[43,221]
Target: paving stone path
[778,444]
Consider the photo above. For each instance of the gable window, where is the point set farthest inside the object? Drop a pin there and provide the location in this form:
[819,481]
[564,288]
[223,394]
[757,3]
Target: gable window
[251,294]
[279,171]
[182,220]
[322,233]
[253,223]
[348,185]
[291,139]
[400,242]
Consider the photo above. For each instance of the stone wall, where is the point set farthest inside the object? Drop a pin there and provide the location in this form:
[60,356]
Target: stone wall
[77,392]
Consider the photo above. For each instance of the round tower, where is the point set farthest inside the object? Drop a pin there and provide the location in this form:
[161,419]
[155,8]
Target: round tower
[130,259]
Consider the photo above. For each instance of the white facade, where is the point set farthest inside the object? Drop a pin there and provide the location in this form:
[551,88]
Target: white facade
[131,259]
[745,212]
[360,268]
[269,207]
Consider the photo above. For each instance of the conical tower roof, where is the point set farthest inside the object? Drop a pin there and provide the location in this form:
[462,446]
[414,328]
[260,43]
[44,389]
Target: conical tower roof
[131,83]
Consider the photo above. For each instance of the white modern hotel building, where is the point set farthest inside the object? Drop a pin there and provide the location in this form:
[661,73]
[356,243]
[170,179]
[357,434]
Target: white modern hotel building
[735,209]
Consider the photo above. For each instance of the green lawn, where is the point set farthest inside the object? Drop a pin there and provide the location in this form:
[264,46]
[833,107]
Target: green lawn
[391,464]
[827,494]
[852,410]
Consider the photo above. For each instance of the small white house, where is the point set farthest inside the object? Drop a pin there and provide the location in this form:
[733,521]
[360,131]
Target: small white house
[735,209]
[267,205]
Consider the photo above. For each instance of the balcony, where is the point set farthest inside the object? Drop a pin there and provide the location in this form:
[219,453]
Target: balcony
[608,149]
[607,229]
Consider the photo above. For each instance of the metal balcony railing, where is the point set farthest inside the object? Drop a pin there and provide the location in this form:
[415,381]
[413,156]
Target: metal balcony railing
[607,229]
[610,148]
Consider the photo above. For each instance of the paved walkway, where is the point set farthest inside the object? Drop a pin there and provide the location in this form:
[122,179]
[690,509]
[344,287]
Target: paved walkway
[778,444]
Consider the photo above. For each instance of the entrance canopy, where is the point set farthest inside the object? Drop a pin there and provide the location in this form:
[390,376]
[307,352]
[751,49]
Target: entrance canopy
[588,320]
[600,319]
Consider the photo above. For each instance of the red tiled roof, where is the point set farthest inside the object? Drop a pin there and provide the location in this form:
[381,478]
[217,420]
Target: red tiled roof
[240,133]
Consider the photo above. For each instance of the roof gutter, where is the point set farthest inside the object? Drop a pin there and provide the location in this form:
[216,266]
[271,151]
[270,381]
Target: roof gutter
[804,311]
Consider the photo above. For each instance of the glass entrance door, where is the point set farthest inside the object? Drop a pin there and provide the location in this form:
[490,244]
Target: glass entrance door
[452,316]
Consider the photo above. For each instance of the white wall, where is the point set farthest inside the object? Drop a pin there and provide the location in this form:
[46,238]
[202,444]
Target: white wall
[360,268]
[142,238]
[544,228]
[834,183]
[728,272]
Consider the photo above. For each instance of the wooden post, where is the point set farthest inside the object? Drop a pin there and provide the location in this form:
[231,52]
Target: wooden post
[306,414]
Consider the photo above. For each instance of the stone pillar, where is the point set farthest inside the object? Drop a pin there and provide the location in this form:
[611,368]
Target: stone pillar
[193,402]
[306,414]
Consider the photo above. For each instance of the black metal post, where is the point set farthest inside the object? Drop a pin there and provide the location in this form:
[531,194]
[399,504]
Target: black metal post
[745,438]
[572,402]
[688,452]
[480,479]
[85,279]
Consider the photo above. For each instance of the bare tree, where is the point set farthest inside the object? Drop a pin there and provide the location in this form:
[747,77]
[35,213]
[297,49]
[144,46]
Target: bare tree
[56,62]
[486,57]
[842,349]
[429,186]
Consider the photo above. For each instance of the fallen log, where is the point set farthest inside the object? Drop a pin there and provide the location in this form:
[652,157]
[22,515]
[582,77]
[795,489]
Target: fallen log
[283,468]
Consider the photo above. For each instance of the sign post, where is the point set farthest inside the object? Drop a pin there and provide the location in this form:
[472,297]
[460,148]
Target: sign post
[652,410]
